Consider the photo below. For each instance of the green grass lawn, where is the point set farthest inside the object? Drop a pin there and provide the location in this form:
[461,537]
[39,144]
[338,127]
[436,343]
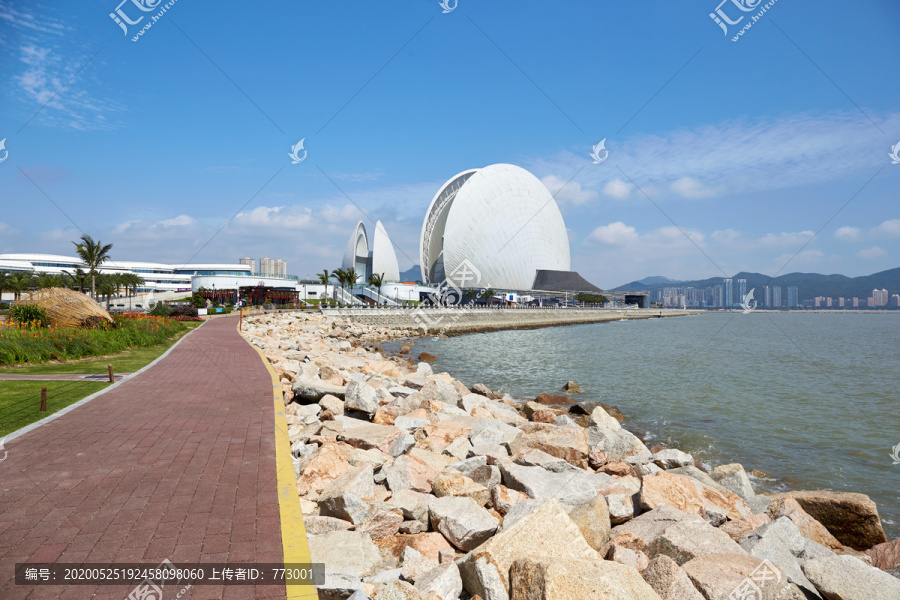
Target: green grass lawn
[20,401]
[125,362]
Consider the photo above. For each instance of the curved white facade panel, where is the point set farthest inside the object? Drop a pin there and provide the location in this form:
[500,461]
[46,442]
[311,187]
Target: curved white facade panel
[357,253]
[384,259]
[502,222]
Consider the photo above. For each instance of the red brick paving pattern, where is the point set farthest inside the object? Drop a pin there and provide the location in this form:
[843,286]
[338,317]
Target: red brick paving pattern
[177,463]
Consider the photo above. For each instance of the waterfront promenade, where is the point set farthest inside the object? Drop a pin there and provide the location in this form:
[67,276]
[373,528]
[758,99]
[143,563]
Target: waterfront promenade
[177,463]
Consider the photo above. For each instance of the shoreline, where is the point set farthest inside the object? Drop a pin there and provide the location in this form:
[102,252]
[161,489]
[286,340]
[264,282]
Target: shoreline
[411,483]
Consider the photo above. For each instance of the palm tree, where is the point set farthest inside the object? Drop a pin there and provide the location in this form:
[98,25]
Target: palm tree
[341,276]
[93,254]
[133,281]
[324,277]
[377,281]
[488,294]
[107,287]
[19,282]
[4,282]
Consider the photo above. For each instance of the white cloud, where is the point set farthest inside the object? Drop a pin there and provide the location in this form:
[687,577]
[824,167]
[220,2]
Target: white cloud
[179,221]
[871,253]
[617,233]
[618,189]
[889,228]
[738,156]
[848,234]
[276,217]
[572,193]
[688,187]
[786,239]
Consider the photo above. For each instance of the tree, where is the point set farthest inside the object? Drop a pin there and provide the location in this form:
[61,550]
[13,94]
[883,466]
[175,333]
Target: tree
[19,282]
[92,254]
[341,276]
[133,281]
[48,280]
[376,280]
[107,287]
[488,295]
[591,298]
[324,277]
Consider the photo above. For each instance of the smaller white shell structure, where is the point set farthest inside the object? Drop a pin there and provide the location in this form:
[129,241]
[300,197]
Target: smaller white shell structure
[381,259]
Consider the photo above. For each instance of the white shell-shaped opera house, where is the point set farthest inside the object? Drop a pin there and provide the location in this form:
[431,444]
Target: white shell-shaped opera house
[381,260]
[499,225]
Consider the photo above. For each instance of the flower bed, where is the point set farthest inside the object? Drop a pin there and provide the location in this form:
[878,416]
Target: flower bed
[24,343]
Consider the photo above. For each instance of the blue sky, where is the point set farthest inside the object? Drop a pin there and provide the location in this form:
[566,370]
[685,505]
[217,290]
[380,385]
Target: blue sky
[724,156]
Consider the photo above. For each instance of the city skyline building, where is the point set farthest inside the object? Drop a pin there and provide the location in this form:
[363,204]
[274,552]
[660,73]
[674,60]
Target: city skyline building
[249,262]
[776,297]
[728,301]
[793,296]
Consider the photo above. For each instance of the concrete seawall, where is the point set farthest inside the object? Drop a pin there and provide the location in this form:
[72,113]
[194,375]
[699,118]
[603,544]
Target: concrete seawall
[455,321]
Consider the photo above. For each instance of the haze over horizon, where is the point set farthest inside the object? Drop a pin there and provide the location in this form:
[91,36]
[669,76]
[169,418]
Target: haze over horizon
[723,156]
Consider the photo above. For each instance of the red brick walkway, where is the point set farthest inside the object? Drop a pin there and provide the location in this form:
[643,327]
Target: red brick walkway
[177,463]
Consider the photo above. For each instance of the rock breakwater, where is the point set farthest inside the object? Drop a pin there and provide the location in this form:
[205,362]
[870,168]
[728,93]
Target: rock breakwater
[415,486]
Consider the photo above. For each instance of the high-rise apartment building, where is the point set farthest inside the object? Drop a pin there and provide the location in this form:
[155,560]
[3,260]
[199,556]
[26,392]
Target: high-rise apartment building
[266,267]
[767,296]
[793,296]
[249,262]
[895,301]
[880,297]
[776,297]
[729,293]
[280,268]
[742,289]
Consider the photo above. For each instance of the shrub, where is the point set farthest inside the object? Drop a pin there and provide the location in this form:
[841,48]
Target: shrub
[184,311]
[27,314]
[160,310]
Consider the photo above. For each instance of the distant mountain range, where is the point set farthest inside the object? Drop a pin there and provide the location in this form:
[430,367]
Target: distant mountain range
[810,285]
[413,273]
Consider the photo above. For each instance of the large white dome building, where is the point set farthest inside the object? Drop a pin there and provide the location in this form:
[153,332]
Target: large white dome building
[499,225]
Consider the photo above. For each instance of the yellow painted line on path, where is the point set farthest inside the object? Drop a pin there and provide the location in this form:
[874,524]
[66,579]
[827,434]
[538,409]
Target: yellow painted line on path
[293,532]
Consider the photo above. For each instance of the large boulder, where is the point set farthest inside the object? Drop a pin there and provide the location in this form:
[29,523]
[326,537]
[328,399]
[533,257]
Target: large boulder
[578,579]
[462,521]
[604,434]
[380,437]
[676,534]
[357,480]
[809,527]
[310,392]
[360,396]
[443,581]
[429,544]
[851,518]
[689,495]
[345,550]
[671,458]
[409,473]
[669,580]
[572,489]
[592,519]
[568,443]
[733,478]
[738,576]
[849,578]
[547,533]
[781,543]
[453,483]
[327,466]
[885,556]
